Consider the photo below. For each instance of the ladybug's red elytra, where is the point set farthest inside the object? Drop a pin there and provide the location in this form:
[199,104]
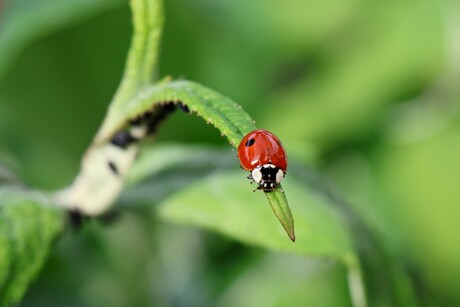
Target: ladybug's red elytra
[262,153]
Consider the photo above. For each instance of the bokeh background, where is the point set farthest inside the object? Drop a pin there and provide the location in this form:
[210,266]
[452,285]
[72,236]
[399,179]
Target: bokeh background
[364,92]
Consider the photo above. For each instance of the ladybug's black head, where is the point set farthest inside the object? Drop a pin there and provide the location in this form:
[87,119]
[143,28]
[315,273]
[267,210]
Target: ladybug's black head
[267,176]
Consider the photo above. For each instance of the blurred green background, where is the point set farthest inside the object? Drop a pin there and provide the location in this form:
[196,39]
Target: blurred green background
[364,92]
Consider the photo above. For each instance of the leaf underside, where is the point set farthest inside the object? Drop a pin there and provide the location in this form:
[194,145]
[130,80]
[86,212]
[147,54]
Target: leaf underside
[225,114]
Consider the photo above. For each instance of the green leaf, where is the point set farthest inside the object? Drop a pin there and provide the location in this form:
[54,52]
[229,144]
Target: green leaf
[23,21]
[28,225]
[216,109]
[278,201]
[222,202]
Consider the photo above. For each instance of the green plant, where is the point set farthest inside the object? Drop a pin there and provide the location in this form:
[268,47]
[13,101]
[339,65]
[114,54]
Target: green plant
[136,96]
[201,185]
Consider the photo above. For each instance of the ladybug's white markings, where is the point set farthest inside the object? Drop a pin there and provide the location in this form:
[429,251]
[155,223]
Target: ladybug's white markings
[279,176]
[256,175]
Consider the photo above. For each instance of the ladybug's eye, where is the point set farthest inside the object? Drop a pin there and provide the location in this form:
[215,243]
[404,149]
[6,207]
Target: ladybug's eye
[250,142]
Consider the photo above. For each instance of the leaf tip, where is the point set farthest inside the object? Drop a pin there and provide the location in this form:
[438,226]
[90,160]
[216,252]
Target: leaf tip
[292,236]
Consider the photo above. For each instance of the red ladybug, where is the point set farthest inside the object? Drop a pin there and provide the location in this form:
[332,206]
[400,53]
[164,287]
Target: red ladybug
[262,153]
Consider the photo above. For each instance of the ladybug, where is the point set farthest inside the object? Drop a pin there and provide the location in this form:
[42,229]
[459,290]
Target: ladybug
[262,153]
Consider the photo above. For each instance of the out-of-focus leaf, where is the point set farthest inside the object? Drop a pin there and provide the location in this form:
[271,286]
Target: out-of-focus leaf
[224,203]
[22,21]
[156,158]
[290,24]
[216,197]
[420,181]
[199,186]
[387,47]
[28,226]
[280,279]
[7,170]
[221,202]
[162,169]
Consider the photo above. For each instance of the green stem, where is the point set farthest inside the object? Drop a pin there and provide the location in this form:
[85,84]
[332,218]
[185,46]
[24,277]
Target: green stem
[142,57]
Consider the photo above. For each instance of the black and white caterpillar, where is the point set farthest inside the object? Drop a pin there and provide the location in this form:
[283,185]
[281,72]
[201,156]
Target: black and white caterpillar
[105,166]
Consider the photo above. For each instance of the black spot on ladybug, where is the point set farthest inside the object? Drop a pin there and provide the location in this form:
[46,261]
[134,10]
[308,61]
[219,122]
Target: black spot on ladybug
[250,142]
[113,167]
[123,139]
